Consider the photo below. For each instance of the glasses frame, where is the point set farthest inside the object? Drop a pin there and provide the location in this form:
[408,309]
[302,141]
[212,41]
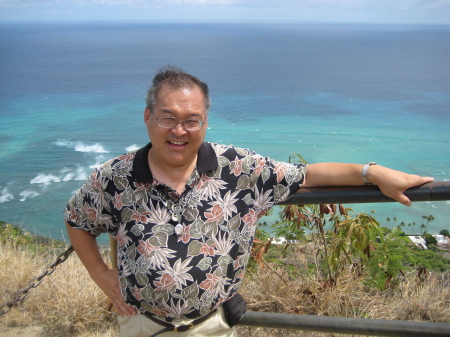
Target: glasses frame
[177,122]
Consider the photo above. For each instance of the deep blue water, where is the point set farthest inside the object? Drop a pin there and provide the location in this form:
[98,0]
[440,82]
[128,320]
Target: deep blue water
[72,96]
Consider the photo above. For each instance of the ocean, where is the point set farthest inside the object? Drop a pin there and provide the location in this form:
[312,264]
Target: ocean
[72,96]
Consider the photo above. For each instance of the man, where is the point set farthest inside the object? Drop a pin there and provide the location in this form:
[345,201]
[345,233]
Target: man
[183,213]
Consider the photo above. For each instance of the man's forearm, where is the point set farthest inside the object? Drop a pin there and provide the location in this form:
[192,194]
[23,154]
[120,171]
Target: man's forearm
[391,182]
[107,279]
[86,247]
[334,174]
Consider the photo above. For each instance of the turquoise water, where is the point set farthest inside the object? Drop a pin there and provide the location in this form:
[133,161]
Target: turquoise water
[72,96]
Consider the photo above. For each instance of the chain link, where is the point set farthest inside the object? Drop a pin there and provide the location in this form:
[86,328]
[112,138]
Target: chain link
[36,281]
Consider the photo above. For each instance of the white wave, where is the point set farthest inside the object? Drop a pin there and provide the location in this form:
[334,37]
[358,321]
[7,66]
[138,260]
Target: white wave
[79,173]
[64,143]
[69,176]
[131,148]
[97,148]
[45,179]
[24,195]
[99,160]
[96,165]
[80,146]
[5,195]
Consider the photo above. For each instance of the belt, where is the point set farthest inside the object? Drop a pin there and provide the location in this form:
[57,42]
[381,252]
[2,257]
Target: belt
[181,328]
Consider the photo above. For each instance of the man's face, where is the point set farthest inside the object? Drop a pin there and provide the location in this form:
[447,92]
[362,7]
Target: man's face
[176,147]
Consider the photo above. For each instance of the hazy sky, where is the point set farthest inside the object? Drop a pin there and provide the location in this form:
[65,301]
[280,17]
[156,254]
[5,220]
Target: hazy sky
[366,11]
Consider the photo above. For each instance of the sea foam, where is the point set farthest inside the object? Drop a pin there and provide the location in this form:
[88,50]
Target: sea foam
[27,194]
[68,174]
[45,179]
[80,146]
[5,195]
[131,148]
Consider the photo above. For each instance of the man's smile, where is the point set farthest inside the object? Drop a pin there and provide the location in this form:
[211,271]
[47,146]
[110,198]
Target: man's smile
[177,142]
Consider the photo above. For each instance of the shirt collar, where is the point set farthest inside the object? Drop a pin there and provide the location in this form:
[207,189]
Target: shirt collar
[206,161]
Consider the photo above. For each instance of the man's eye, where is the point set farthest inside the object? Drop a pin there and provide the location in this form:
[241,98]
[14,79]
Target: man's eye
[191,122]
[167,120]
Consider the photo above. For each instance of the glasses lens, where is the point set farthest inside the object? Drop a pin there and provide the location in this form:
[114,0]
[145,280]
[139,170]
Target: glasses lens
[192,124]
[167,122]
[171,122]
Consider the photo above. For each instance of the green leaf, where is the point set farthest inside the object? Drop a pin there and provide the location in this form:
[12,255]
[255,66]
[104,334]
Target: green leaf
[145,306]
[234,222]
[131,251]
[265,174]
[253,180]
[279,191]
[195,229]
[147,294]
[141,278]
[165,228]
[205,263]
[127,197]
[120,182]
[243,182]
[141,197]
[212,227]
[159,239]
[137,229]
[190,213]
[248,199]
[224,263]
[223,161]
[246,164]
[194,248]
[126,214]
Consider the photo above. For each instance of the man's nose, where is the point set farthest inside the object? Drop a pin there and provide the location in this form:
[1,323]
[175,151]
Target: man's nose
[179,129]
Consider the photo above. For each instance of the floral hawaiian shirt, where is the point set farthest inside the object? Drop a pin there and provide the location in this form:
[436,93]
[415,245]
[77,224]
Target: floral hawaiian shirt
[183,273]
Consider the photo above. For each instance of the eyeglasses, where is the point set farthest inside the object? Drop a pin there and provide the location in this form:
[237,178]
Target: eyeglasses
[172,122]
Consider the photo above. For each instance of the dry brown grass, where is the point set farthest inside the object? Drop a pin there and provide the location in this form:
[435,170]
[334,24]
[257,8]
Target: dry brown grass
[68,303]
[414,300]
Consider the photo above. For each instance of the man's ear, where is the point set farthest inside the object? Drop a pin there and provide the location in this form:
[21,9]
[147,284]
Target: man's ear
[147,113]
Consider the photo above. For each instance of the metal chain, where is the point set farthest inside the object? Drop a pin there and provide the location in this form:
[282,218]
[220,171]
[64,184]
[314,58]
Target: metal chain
[22,293]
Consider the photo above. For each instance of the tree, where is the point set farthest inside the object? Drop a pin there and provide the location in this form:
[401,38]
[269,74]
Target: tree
[445,232]
[384,267]
[428,218]
[422,229]
[430,239]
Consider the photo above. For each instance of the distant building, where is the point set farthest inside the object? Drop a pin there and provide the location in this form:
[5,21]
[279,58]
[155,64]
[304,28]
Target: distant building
[282,240]
[279,241]
[419,241]
[442,241]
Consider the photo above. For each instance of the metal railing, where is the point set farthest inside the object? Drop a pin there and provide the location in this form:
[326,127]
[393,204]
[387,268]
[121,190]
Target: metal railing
[436,191]
[341,325]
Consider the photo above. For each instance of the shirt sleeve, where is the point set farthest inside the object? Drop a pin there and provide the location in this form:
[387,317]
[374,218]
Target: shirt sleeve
[268,178]
[285,178]
[89,208]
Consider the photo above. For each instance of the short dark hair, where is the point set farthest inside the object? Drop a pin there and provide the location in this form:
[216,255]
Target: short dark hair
[175,78]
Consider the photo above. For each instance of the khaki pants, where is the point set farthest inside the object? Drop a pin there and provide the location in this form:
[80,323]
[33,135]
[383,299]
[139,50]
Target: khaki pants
[141,326]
